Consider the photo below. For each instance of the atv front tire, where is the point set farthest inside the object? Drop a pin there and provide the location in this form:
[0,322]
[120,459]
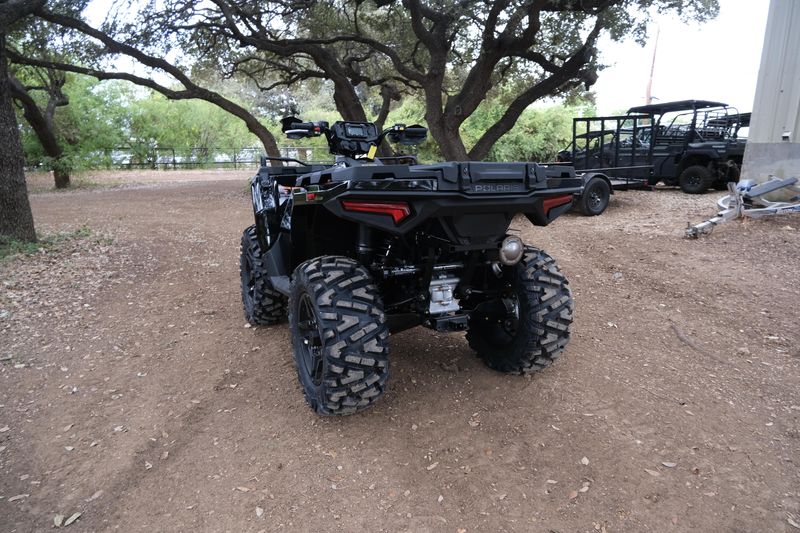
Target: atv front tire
[262,303]
[339,335]
[695,179]
[536,328]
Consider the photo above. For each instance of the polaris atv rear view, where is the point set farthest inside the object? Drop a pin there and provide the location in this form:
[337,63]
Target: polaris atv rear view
[365,246]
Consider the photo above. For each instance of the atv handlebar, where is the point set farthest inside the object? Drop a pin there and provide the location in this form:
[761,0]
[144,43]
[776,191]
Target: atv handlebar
[354,139]
[406,135]
[295,129]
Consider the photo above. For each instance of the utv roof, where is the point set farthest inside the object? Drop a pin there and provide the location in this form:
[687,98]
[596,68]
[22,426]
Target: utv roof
[680,105]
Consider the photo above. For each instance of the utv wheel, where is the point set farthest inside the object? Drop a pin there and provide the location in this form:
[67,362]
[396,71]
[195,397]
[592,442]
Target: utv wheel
[595,197]
[339,335]
[695,179]
[536,324]
[262,303]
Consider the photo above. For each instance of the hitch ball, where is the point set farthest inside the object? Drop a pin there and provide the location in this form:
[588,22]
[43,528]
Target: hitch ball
[511,250]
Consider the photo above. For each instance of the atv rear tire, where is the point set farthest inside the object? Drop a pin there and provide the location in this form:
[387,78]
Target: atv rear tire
[262,303]
[339,335]
[695,179]
[535,334]
[595,197]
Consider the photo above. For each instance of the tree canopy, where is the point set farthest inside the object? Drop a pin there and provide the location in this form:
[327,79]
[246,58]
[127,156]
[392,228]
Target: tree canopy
[473,68]
[453,55]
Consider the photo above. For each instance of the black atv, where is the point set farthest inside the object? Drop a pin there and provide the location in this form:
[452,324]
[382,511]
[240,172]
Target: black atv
[364,247]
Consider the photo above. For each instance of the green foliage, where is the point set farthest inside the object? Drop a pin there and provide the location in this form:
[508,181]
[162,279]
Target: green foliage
[493,53]
[88,129]
[104,117]
[192,130]
[9,248]
[538,135]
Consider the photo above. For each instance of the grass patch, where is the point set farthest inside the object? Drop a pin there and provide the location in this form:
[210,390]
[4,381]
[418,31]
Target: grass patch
[9,248]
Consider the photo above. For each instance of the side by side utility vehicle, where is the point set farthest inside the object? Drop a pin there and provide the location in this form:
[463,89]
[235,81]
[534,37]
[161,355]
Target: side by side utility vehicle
[364,247]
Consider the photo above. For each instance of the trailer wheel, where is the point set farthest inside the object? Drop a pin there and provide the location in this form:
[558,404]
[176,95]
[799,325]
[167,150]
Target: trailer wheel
[595,197]
[695,179]
[262,303]
[534,329]
[339,335]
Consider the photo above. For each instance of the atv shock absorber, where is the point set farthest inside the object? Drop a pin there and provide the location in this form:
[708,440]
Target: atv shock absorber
[382,253]
[364,245]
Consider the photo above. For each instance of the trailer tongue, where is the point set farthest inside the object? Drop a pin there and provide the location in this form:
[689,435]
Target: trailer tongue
[746,200]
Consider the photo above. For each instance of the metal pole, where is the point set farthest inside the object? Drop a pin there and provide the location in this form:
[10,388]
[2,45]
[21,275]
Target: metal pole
[649,96]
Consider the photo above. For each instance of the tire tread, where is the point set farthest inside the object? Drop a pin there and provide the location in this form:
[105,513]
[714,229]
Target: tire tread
[269,306]
[541,339]
[355,336]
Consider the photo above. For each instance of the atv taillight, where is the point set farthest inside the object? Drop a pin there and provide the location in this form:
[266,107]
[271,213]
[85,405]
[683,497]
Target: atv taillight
[397,210]
[555,201]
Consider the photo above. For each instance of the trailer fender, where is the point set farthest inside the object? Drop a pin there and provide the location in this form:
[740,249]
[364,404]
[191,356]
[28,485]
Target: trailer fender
[589,176]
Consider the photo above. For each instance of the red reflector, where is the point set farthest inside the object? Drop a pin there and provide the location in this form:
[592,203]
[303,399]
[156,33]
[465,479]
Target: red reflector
[555,201]
[311,196]
[397,210]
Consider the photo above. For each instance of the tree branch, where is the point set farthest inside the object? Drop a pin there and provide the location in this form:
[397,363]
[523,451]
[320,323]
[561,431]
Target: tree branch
[565,77]
[191,89]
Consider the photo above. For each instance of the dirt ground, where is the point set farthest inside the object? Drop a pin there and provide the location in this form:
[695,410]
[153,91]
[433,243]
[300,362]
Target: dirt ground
[132,392]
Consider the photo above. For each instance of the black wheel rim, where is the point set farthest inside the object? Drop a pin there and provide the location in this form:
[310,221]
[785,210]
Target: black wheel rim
[693,180]
[595,201]
[310,340]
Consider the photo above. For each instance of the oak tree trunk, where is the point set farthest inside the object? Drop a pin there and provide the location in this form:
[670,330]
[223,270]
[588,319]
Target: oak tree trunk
[16,219]
[447,135]
[61,177]
[42,125]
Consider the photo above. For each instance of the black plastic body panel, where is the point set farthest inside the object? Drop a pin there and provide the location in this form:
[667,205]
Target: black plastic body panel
[472,204]
[428,205]
[469,178]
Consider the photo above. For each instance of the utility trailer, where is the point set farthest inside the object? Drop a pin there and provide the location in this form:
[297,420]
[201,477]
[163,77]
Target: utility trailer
[616,146]
[609,159]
